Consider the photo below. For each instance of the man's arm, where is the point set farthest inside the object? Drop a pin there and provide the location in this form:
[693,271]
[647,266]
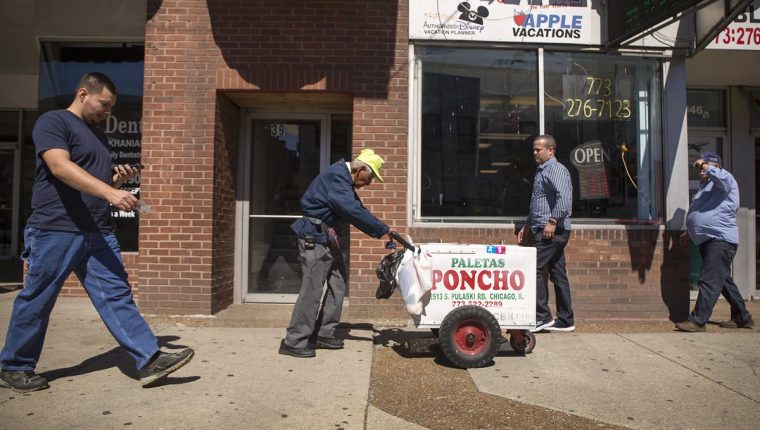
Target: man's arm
[721,178]
[60,165]
[562,186]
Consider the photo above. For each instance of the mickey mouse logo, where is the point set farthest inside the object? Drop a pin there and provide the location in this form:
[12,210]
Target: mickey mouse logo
[471,16]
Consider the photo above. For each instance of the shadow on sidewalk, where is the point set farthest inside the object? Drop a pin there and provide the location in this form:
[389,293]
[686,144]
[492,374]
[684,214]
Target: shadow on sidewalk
[118,357]
[343,331]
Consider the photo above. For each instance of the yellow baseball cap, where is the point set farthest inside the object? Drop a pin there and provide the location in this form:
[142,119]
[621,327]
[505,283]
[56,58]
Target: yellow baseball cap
[374,161]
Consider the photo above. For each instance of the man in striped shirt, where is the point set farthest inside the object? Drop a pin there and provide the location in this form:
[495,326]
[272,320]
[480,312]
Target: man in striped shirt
[551,205]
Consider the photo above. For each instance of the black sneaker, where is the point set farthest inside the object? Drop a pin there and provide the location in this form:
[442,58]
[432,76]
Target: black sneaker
[22,381]
[327,343]
[164,364]
[296,352]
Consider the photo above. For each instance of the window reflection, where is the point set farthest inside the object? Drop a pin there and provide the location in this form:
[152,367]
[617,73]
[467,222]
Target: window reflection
[478,115]
[601,110]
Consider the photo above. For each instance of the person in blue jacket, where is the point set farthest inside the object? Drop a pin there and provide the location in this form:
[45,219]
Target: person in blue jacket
[711,225]
[330,200]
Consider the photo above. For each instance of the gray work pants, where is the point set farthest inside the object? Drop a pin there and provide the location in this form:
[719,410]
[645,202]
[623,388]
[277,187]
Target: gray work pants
[320,264]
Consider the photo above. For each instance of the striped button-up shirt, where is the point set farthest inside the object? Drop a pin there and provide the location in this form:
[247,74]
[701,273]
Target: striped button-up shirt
[552,196]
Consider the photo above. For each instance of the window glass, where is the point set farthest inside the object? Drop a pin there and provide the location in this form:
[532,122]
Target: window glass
[61,67]
[706,108]
[9,125]
[478,114]
[603,112]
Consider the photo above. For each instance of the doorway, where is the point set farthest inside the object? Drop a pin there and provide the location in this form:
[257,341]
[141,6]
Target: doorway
[285,153]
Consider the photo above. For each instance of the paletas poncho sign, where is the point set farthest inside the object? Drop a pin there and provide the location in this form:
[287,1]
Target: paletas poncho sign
[499,278]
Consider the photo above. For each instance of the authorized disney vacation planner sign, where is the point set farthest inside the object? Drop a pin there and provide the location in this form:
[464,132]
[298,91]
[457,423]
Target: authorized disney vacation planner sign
[561,22]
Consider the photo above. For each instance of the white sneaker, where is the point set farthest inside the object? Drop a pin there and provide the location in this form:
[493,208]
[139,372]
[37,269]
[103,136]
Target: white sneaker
[542,325]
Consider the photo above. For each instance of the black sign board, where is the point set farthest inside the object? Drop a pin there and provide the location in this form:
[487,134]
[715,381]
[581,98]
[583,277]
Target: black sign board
[629,18]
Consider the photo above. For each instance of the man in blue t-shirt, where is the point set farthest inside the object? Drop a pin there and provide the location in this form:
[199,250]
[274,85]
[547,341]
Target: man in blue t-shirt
[330,200]
[711,225]
[70,230]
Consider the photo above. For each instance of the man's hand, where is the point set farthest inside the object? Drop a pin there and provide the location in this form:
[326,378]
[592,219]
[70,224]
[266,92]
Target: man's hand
[549,230]
[684,238]
[521,234]
[123,200]
[123,173]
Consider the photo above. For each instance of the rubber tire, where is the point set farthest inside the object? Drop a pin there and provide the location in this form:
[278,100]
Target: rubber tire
[460,324]
[519,348]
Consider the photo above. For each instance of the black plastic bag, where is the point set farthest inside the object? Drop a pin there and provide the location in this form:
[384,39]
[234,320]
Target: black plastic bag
[386,273]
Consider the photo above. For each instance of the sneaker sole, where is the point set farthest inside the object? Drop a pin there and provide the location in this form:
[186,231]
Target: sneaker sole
[4,384]
[565,329]
[155,377]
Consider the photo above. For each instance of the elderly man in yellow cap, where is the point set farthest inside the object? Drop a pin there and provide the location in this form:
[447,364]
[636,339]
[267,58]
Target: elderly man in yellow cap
[330,200]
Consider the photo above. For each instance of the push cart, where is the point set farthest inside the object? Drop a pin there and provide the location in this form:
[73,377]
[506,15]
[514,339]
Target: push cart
[476,292]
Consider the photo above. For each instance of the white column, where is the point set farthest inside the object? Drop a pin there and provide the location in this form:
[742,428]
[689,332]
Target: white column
[743,168]
[675,144]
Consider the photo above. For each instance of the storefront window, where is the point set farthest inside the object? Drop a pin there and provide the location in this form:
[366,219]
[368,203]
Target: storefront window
[604,113]
[478,116]
[478,113]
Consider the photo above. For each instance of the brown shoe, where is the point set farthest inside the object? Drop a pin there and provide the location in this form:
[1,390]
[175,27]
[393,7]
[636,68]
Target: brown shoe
[734,324]
[690,326]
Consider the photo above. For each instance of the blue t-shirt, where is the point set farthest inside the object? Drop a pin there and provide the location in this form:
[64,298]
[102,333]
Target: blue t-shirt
[55,205]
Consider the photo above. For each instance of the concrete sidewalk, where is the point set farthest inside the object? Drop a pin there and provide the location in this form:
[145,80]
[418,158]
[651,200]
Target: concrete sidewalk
[640,380]
[237,379]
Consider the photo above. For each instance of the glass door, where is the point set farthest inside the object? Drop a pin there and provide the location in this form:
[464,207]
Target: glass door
[286,153]
[285,157]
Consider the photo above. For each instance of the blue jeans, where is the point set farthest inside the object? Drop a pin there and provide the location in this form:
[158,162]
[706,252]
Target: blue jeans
[550,258]
[715,279]
[95,258]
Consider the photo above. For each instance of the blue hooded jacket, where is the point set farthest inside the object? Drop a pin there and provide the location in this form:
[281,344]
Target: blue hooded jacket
[332,198]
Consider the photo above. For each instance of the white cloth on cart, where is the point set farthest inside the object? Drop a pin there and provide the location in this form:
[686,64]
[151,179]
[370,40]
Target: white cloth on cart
[414,280]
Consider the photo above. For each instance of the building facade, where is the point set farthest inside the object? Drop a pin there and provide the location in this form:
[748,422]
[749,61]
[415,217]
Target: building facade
[233,107]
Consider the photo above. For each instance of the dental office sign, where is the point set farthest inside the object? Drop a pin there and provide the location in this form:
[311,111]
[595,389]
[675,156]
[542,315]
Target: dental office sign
[525,21]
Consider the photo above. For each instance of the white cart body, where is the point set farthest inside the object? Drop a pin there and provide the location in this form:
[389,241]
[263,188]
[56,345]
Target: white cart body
[499,278]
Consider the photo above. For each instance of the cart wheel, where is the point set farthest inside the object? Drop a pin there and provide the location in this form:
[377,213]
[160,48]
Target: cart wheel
[435,331]
[526,346]
[470,336]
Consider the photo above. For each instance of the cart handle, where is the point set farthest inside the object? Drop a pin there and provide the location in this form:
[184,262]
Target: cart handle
[397,237]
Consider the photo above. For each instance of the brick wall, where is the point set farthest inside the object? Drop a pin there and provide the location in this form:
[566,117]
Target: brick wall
[226,140]
[179,116]
[195,50]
